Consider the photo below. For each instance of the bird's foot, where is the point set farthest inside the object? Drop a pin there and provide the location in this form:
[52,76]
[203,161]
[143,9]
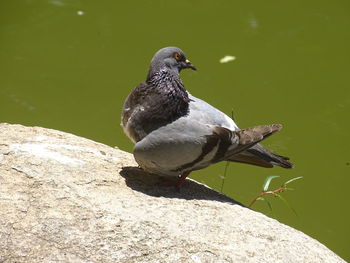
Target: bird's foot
[177,183]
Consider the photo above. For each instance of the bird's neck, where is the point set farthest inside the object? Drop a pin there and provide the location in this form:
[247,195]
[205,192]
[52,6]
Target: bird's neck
[160,70]
[172,96]
[167,80]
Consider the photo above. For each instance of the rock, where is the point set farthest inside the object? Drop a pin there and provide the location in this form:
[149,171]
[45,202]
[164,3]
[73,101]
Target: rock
[64,198]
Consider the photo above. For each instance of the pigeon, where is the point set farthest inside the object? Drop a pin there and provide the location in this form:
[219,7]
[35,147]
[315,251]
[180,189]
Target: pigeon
[176,133]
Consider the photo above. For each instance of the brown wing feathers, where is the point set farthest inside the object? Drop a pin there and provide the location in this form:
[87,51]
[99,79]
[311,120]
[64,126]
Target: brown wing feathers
[241,140]
[257,133]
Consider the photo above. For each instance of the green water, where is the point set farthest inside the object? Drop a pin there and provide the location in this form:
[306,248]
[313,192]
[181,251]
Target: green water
[68,65]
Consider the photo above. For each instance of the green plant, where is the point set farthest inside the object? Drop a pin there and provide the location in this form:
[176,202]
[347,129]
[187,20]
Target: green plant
[276,192]
[224,177]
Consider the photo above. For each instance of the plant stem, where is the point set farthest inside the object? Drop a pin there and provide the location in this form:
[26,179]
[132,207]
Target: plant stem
[262,193]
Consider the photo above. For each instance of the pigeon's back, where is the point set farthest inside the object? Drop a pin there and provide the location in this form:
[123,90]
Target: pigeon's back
[205,113]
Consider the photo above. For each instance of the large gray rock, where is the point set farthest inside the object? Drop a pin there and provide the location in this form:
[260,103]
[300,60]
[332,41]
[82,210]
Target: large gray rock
[64,198]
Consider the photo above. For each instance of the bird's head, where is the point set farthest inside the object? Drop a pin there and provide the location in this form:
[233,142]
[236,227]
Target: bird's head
[169,58]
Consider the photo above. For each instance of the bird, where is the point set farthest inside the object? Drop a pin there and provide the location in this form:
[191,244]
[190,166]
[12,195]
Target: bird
[176,133]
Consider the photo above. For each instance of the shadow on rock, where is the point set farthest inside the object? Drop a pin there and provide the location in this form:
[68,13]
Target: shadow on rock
[147,183]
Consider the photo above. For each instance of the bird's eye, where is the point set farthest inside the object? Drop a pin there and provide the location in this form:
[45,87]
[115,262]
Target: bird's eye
[177,56]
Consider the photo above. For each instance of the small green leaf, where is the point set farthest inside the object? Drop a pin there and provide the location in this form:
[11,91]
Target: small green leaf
[290,189]
[270,207]
[268,181]
[293,179]
[286,203]
[267,202]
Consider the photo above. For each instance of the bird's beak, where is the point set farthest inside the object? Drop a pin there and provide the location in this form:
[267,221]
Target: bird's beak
[189,65]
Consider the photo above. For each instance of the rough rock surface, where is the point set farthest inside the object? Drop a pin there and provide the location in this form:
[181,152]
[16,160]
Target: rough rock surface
[64,198]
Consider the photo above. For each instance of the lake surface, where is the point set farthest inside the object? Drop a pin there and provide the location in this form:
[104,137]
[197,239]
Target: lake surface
[69,65]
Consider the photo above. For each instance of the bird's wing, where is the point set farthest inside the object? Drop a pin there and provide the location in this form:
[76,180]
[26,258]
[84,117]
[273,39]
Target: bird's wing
[170,147]
[187,144]
[255,155]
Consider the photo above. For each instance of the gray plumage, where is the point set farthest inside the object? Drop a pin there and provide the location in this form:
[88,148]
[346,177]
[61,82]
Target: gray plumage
[176,133]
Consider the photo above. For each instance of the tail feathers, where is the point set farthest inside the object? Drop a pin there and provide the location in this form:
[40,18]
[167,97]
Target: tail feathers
[265,154]
[260,156]
[245,157]
[250,152]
